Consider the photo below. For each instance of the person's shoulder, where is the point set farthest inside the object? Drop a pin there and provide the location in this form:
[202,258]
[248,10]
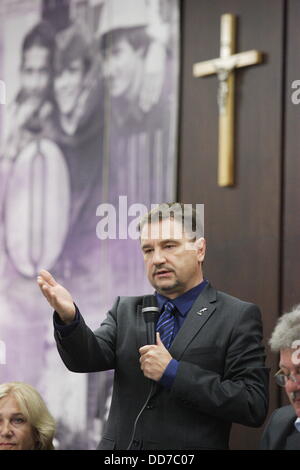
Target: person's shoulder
[227,303]
[283,413]
[278,426]
[232,300]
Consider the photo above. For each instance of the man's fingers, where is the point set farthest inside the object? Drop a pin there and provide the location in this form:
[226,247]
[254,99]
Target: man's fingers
[46,291]
[41,282]
[145,349]
[44,286]
[46,276]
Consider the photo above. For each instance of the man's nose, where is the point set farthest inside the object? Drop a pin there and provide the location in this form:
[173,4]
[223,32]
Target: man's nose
[294,385]
[158,257]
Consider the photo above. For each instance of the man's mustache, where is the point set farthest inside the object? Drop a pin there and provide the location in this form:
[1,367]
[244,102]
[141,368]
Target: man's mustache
[162,268]
[295,395]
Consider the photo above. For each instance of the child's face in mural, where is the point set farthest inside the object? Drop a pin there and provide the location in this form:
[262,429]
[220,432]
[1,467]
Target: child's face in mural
[35,72]
[68,85]
[121,63]
[15,431]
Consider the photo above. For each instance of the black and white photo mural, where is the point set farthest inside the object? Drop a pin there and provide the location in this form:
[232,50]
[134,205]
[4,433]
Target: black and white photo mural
[89,128]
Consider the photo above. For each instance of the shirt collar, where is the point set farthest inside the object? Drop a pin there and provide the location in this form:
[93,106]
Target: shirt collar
[297,424]
[183,302]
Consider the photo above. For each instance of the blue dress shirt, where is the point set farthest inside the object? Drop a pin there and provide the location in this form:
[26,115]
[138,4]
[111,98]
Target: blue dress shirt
[183,305]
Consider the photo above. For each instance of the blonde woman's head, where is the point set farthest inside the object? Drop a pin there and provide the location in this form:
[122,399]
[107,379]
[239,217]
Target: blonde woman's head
[25,422]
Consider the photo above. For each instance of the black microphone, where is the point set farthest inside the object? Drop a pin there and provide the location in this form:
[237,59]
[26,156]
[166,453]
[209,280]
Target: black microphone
[150,311]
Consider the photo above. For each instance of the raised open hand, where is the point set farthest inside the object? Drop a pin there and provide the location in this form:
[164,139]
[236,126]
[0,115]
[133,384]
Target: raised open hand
[58,297]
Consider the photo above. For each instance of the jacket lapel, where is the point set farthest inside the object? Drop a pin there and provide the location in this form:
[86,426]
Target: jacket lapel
[203,308]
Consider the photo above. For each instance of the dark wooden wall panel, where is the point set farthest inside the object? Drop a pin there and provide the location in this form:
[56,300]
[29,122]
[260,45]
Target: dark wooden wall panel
[291,226]
[291,239]
[242,224]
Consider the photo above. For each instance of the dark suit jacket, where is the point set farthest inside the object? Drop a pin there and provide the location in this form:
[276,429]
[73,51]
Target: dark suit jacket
[278,428]
[221,376]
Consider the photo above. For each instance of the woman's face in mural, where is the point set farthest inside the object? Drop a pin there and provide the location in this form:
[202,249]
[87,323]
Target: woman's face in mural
[121,63]
[35,72]
[68,85]
[15,431]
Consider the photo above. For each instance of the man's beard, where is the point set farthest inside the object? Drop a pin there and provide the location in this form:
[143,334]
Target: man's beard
[169,288]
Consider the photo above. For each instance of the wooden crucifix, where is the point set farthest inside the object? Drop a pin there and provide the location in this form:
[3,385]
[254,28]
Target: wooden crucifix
[223,67]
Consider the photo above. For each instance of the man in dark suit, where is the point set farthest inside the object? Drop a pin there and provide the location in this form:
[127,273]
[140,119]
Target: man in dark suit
[209,375]
[283,428]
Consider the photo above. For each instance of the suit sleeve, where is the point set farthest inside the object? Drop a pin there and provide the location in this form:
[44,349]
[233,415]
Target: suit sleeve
[85,351]
[240,393]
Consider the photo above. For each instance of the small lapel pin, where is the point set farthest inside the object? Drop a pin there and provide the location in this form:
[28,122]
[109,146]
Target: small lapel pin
[202,310]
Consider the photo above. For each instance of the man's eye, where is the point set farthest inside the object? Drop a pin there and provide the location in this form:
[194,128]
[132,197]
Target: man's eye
[148,250]
[170,246]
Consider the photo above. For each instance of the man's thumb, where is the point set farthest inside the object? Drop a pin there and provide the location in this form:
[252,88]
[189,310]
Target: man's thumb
[158,340]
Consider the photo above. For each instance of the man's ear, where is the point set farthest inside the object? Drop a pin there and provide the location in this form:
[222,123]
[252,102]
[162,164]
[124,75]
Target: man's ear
[200,245]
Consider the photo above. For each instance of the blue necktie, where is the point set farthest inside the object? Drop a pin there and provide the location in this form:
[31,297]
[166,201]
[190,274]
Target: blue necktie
[166,324]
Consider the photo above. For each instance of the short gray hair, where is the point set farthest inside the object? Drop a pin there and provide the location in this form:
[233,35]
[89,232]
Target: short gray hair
[188,215]
[286,331]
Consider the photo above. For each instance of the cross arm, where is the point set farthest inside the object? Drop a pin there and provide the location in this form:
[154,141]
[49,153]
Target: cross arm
[242,59]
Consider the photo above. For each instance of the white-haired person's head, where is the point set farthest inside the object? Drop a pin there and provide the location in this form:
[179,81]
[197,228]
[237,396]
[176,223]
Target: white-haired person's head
[25,422]
[286,340]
